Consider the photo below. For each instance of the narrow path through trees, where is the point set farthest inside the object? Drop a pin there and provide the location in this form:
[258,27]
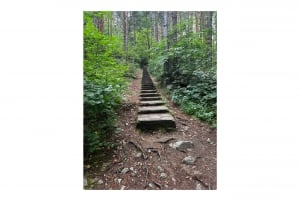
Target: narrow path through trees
[184,158]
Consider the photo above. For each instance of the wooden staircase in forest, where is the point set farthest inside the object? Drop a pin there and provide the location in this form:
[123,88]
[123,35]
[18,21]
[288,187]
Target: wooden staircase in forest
[152,113]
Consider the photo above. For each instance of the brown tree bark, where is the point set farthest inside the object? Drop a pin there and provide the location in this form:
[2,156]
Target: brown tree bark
[174,24]
[197,22]
[101,25]
[125,33]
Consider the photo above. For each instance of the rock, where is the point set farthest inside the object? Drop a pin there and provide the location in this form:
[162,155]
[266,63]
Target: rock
[199,186]
[119,181]
[189,160]
[131,168]
[88,166]
[125,170]
[105,166]
[100,181]
[150,185]
[182,145]
[139,155]
[160,169]
[163,175]
[174,180]
[123,187]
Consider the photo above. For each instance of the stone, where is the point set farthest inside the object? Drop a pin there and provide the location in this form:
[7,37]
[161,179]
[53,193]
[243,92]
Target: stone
[189,160]
[163,175]
[131,168]
[160,169]
[139,155]
[125,170]
[105,166]
[100,181]
[174,180]
[123,187]
[119,181]
[199,186]
[182,145]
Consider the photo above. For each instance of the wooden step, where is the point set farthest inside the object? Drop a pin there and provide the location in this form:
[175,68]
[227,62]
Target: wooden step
[148,91]
[150,98]
[154,121]
[151,103]
[153,109]
[149,95]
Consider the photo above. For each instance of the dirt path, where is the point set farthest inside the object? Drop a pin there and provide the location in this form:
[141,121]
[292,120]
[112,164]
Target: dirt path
[146,160]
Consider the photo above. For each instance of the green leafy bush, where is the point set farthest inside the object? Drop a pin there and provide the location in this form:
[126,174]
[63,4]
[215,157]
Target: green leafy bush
[190,74]
[103,84]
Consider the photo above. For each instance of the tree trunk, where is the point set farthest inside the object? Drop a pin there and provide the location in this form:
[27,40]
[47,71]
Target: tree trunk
[191,16]
[101,25]
[174,24]
[166,64]
[125,30]
[155,26]
[197,22]
[166,30]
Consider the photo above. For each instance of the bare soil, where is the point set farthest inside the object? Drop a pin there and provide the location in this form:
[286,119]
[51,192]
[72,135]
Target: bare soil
[152,163]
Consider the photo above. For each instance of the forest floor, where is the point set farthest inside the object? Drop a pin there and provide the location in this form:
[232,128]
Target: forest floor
[145,160]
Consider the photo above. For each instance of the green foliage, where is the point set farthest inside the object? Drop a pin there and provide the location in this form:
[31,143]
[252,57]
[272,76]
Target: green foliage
[190,73]
[103,84]
[200,98]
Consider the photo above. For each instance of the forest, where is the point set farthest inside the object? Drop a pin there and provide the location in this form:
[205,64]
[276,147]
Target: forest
[179,50]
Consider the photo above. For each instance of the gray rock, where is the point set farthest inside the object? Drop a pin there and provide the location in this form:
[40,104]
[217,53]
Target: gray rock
[100,181]
[163,175]
[160,169]
[182,145]
[189,160]
[123,187]
[125,170]
[105,166]
[131,168]
[199,186]
[139,155]
[119,181]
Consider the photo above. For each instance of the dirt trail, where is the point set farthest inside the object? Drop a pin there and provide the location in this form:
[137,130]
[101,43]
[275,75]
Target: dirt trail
[145,160]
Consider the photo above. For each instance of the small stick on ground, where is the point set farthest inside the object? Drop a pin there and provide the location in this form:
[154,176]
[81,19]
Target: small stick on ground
[157,184]
[165,140]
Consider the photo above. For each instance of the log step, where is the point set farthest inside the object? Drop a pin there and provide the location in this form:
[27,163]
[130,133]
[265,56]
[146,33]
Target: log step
[150,98]
[149,95]
[148,91]
[154,121]
[152,109]
[151,103]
